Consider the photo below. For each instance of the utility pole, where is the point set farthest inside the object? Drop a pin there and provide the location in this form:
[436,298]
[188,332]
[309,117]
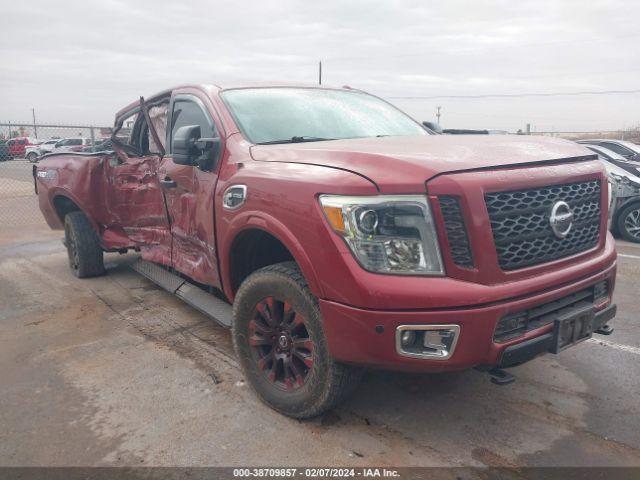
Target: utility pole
[438,114]
[35,128]
[320,72]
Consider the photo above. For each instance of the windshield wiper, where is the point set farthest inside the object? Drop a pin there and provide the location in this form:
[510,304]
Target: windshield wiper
[300,139]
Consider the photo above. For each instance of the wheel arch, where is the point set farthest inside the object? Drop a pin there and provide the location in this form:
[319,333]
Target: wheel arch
[250,226]
[63,202]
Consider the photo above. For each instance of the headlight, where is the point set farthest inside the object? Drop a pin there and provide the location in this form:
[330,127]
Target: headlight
[387,234]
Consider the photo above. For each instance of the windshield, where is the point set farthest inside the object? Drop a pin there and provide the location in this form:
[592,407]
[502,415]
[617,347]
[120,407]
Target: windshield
[290,115]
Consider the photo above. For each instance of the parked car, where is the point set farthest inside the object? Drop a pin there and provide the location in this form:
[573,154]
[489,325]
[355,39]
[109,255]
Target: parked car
[48,145]
[624,176]
[33,152]
[343,235]
[17,146]
[99,146]
[71,144]
[461,131]
[4,151]
[628,150]
[436,128]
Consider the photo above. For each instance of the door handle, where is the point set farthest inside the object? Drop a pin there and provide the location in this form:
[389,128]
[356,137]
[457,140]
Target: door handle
[168,183]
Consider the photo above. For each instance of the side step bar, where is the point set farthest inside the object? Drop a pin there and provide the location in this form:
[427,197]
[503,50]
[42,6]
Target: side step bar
[210,305]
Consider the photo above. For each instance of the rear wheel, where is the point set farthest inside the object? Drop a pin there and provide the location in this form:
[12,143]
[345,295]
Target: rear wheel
[86,258]
[278,336]
[628,222]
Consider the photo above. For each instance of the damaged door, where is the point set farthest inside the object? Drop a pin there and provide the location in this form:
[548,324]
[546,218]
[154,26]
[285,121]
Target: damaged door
[189,192]
[134,195]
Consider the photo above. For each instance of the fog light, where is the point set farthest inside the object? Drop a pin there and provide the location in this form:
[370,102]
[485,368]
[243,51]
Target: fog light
[437,339]
[427,341]
[407,338]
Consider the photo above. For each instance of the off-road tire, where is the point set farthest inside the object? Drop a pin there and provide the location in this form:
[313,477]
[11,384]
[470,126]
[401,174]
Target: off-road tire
[327,382]
[86,258]
[623,222]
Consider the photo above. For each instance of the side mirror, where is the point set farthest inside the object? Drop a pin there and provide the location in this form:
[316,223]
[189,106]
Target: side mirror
[189,149]
[208,149]
[183,144]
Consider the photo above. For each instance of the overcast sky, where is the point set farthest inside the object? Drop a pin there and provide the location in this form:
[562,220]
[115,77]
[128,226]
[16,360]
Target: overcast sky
[81,61]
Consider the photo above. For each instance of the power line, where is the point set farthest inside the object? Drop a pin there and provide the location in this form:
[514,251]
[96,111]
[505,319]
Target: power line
[518,95]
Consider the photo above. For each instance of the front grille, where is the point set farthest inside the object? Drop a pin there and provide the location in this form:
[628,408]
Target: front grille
[460,250]
[521,229]
[517,324]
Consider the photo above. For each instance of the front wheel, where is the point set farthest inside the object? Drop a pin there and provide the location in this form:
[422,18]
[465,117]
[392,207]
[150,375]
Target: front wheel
[279,340]
[628,222]
[32,157]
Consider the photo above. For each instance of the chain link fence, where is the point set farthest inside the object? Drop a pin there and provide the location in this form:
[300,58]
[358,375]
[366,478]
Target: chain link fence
[21,146]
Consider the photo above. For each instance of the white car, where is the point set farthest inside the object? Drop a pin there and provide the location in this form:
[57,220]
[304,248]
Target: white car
[33,152]
[628,150]
[75,144]
[624,193]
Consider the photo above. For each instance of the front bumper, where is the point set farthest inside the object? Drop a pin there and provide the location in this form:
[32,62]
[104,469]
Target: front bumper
[529,349]
[367,337]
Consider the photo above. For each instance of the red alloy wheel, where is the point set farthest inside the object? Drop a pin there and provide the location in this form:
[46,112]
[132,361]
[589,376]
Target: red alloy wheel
[280,343]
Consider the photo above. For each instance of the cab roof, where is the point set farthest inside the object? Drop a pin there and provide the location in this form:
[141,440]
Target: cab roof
[213,88]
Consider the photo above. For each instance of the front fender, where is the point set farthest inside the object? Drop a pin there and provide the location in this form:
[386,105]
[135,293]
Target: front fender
[254,219]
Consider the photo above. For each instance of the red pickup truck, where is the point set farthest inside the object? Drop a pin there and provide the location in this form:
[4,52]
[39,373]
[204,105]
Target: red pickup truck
[17,147]
[332,232]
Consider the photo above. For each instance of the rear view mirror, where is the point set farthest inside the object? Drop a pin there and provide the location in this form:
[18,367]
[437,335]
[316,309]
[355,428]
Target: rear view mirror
[189,149]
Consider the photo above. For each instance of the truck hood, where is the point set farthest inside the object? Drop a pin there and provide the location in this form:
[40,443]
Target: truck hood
[404,164]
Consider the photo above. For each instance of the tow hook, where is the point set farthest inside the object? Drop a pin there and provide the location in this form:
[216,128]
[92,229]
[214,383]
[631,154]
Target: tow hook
[605,330]
[501,377]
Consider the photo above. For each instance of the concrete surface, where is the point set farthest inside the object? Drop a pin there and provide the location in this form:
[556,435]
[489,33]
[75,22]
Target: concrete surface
[114,371]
